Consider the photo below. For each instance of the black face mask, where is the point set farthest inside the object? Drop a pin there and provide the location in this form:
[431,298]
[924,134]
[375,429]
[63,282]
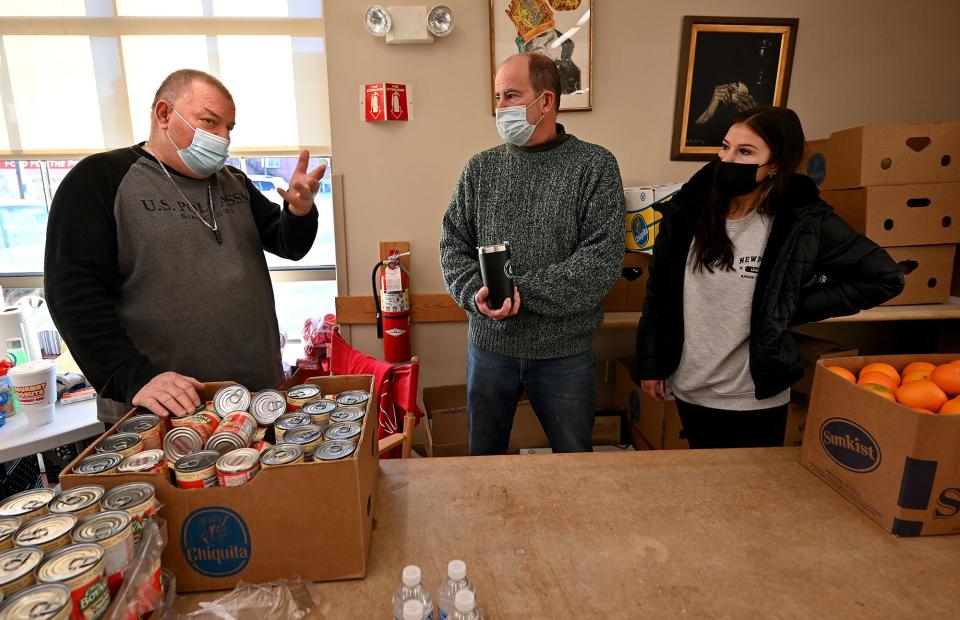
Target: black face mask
[736,179]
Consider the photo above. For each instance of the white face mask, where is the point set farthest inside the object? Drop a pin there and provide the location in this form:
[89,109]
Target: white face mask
[512,123]
[207,152]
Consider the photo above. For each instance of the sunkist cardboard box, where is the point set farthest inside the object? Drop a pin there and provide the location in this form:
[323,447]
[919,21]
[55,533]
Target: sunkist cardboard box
[268,528]
[899,466]
[446,430]
[899,154]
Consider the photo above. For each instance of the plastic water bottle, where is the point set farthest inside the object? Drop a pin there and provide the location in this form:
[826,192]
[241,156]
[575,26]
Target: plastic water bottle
[413,610]
[466,605]
[412,589]
[456,581]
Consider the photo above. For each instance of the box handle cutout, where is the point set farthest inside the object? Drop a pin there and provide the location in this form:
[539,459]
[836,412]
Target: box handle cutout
[908,266]
[945,161]
[885,163]
[918,202]
[888,224]
[919,143]
[369,504]
[932,283]
[946,221]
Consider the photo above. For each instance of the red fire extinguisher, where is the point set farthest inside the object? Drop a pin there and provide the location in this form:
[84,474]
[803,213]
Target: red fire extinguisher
[392,301]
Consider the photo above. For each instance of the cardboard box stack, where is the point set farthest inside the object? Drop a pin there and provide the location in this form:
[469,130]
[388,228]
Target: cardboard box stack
[900,186]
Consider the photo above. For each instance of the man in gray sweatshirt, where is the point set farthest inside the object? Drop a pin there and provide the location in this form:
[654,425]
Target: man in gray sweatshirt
[558,201]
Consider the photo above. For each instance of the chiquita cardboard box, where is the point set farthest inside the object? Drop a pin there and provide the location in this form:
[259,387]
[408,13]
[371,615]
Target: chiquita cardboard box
[312,520]
[899,466]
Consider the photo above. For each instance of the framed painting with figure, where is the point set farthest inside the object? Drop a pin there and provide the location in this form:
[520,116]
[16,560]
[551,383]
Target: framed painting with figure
[727,65]
[561,29]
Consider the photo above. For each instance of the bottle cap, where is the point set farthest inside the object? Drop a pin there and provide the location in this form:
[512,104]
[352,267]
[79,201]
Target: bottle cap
[411,576]
[457,570]
[465,601]
[413,610]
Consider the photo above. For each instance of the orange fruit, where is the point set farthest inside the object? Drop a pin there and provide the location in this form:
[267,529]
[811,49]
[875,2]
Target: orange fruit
[878,378]
[843,372]
[915,366]
[921,410]
[947,377]
[879,390]
[922,393]
[887,369]
[951,406]
[955,362]
[914,375]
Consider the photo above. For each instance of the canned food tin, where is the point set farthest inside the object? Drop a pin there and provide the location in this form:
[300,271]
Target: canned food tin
[49,533]
[113,531]
[319,410]
[282,454]
[102,463]
[123,444]
[261,446]
[353,397]
[308,437]
[138,499]
[261,433]
[205,423]
[285,422]
[238,467]
[16,569]
[146,462]
[347,431]
[148,426]
[196,471]
[334,450]
[47,601]
[79,501]
[81,568]
[298,395]
[231,398]
[28,504]
[180,442]
[267,406]
[235,431]
[8,527]
[347,414]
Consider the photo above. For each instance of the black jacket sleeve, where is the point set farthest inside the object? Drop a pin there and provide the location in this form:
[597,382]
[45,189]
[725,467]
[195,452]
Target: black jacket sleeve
[81,277]
[281,232]
[852,274]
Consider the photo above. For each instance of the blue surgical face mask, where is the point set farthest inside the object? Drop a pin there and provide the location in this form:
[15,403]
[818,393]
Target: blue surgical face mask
[206,154]
[512,123]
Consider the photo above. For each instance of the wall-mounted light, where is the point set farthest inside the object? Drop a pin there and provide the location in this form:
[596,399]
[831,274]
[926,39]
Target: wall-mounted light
[409,24]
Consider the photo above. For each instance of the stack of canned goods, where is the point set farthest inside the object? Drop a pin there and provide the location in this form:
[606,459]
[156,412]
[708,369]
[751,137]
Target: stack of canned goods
[225,442]
[65,556]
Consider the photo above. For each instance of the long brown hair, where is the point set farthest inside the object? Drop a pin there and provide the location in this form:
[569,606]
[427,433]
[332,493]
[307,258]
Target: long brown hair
[780,129]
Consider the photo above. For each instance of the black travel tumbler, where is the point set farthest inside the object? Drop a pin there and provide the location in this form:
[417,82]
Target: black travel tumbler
[497,273]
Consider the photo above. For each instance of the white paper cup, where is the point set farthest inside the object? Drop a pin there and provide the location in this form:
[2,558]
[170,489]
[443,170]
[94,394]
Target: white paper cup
[36,386]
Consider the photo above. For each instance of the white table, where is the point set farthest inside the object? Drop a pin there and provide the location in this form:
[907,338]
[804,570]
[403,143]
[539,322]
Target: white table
[72,422]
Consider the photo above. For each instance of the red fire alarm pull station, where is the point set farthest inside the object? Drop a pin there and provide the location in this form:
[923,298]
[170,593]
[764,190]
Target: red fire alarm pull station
[384,101]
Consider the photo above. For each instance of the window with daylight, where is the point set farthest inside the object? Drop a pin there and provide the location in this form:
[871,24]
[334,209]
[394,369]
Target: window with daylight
[78,77]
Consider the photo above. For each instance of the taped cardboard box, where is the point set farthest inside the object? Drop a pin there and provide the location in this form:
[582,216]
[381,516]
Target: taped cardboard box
[900,154]
[927,271]
[813,349]
[630,289]
[899,215]
[899,466]
[221,535]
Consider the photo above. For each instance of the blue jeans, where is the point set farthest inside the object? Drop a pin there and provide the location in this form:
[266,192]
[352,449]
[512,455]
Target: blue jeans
[561,391]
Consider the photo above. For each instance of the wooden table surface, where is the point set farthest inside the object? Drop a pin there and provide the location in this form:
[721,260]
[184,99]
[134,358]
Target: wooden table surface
[657,534]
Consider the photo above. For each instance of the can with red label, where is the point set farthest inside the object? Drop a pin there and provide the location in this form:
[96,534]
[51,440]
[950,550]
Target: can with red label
[196,471]
[235,431]
[204,422]
[146,462]
[148,426]
[261,445]
[180,442]
[113,531]
[137,499]
[238,467]
[81,568]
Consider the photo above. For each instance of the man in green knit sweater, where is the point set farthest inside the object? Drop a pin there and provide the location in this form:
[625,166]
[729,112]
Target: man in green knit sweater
[558,201]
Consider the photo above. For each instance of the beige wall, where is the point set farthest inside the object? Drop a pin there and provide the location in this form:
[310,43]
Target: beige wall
[857,61]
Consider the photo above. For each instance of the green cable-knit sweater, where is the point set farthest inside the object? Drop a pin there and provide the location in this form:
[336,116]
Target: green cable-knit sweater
[561,208]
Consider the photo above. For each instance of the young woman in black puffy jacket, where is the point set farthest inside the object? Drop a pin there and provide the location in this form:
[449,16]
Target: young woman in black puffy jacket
[745,250]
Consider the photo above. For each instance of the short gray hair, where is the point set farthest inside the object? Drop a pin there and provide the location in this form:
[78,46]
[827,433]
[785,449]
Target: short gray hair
[180,80]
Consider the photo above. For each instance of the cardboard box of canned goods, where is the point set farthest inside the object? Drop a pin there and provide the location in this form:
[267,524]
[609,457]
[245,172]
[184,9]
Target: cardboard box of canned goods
[899,466]
[268,528]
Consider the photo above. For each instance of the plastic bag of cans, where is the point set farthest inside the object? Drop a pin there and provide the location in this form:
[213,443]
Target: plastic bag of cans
[66,555]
